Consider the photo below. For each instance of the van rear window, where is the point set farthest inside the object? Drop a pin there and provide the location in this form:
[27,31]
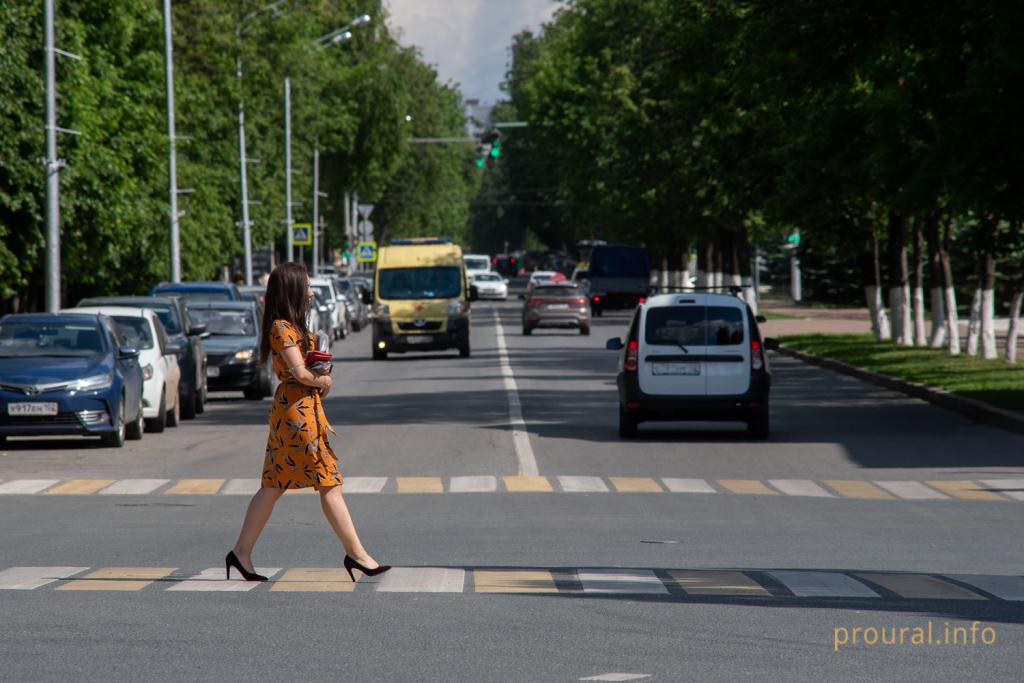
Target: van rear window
[694,325]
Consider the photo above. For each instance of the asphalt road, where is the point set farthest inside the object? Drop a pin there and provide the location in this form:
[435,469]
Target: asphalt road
[692,553]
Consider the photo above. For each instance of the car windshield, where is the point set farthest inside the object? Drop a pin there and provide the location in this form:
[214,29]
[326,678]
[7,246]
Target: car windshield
[440,282]
[136,331]
[343,285]
[56,338]
[695,325]
[477,263]
[228,323]
[324,291]
[168,316]
[556,291]
[487,277]
[199,294]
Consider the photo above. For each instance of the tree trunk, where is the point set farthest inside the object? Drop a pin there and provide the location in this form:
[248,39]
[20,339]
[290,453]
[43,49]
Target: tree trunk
[684,265]
[706,264]
[974,322]
[949,296]
[664,277]
[873,292]
[931,234]
[1014,332]
[899,281]
[920,337]
[988,285]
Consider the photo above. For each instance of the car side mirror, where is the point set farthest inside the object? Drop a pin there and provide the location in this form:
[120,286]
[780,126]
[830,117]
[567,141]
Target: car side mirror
[196,330]
[127,353]
[173,349]
[474,293]
[760,318]
[204,335]
[614,344]
[771,344]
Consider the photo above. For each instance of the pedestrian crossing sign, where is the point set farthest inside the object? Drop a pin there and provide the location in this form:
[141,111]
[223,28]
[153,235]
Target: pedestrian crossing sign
[367,252]
[302,234]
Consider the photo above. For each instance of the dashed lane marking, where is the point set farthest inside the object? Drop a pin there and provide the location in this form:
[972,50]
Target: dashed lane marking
[967,490]
[135,487]
[619,581]
[212,580]
[24,486]
[514,581]
[849,488]
[29,578]
[635,485]
[196,486]
[717,582]
[799,487]
[747,486]
[527,483]
[364,484]
[420,580]
[418,485]
[479,484]
[688,486]
[1005,587]
[78,487]
[525,459]
[911,490]
[1012,488]
[919,586]
[582,484]
[241,487]
[117,579]
[314,580]
[823,584]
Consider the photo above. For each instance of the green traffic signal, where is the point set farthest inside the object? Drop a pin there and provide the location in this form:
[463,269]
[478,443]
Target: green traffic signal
[495,149]
[481,162]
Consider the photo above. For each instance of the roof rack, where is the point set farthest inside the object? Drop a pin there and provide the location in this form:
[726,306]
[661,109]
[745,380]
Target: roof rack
[419,240]
[732,289]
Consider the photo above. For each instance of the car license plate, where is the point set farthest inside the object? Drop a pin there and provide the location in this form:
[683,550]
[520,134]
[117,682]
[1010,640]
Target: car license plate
[690,369]
[419,339]
[562,307]
[35,408]
[212,371]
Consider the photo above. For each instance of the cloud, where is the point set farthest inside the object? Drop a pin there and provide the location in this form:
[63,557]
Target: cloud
[468,40]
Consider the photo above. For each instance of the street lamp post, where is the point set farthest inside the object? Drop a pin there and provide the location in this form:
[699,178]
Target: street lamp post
[172,161]
[289,220]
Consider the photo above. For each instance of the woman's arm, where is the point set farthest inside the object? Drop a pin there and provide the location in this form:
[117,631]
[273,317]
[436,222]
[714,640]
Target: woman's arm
[297,365]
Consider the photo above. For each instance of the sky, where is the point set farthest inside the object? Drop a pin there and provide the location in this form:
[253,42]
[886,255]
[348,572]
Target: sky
[468,40]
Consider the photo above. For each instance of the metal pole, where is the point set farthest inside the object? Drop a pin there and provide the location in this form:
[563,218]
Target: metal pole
[348,233]
[289,219]
[52,172]
[795,285]
[172,161]
[316,210]
[246,236]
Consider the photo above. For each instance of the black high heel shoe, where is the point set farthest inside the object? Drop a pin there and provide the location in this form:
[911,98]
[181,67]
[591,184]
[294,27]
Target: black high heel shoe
[232,561]
[351,564]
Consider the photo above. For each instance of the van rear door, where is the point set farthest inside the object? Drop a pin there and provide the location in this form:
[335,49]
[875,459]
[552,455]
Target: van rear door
[727,364]
[672,349]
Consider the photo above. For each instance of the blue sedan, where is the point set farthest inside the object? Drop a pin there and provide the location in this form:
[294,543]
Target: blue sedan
[68,373]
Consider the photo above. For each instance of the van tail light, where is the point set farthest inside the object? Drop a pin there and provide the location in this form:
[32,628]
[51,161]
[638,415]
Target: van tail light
[631,357]
[756,355]
[642,300]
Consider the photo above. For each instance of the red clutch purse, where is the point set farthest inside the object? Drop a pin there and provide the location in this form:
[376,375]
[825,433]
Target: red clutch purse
[317,357]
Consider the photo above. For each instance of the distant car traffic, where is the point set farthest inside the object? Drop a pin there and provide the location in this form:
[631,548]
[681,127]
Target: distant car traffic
[477,263]
[232,349]
[161,375]
[556,304]
[620,276]
[257,293]
[352,290]
[320,316]
[538,277]
[68,374]
[181,331]
[693,357]
[340,324]
[490,285]
[199,291]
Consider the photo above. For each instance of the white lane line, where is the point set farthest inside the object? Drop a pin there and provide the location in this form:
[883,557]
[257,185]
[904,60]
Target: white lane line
[133,487]
[473,484]
[27,578]
[800,487]
[212,579]
[420,580]
[19,486]
[1005,587]
[582,484]
[1011,488]
[611,580]
[241,487]
[363,484]
[616,676]
[911,490]
[688,486]
[520,437]
[823,585]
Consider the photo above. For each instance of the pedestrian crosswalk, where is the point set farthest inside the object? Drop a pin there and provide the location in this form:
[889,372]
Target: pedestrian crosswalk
[1004,490]
[679,584]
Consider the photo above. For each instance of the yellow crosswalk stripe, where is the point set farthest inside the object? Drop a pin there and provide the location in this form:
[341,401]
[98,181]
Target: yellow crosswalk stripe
[635,485]
[419,484]
[196,486]
[747,486]
[117,579]
[851,488]
[717,582]
[920,586]
[517,581]
[77,487]
[968,490]
[314,580]
[527,483]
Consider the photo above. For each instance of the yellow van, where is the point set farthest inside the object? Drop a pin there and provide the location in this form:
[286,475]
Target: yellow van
[420,298]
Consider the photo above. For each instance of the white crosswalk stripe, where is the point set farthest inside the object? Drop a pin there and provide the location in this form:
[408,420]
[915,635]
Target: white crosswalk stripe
[1011,488]
[799,487]
[241,487]
[419,580]
[135,487]
[363,484]
[911,490]
[21,486]
[212,580]
[582,484]
[612,580]
[823,585]
[1005,587]
[28,578]
[688,485]
[473,484]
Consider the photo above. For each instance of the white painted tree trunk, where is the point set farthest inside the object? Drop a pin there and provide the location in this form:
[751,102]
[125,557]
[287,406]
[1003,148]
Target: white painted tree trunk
[879,321]
[1014,332]
[906,317]
[988,327]
[938,335]
[920,334]
[684,276]
[703,278]
[663,274]
[899,305]
[749,293]
[952,322]
[974,323]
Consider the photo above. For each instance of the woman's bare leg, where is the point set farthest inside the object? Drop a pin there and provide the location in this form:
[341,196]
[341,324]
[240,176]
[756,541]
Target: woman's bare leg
[336,512]
[260,507]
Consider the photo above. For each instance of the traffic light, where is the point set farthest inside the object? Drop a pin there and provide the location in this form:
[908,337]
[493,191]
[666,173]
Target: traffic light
[496,147]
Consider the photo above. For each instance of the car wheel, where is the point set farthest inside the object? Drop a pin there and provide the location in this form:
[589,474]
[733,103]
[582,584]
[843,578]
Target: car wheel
[158,423]
[133,432]
[188,405]
[527,331]
[201,399]
[759,426]
[464,349]
[585,330]
[174,415]
[627,425]
[115,438]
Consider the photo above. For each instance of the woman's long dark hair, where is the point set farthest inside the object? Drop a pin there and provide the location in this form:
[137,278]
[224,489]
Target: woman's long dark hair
[286,300]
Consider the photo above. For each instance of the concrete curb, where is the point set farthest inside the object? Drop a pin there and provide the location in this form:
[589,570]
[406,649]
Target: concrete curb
[970,407]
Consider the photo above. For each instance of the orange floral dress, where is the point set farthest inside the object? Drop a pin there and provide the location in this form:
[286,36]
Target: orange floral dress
[298,452]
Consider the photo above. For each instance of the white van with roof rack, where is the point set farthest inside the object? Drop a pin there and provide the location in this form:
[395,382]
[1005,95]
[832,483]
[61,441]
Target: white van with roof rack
[693,356]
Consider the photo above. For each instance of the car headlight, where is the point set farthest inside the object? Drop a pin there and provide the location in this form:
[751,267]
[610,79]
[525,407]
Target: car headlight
[147,372]
[381,310]
[456,307]
[245,355]
[94,383]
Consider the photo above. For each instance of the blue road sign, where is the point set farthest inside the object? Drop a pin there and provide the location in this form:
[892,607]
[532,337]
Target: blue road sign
[367,252]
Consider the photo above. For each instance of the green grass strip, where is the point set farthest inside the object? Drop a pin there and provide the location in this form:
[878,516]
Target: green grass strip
[992,381]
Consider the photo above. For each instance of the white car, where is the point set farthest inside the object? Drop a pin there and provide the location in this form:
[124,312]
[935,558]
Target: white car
[158,358]
[540,276]
[477,263]
[336,301]
[490,285]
